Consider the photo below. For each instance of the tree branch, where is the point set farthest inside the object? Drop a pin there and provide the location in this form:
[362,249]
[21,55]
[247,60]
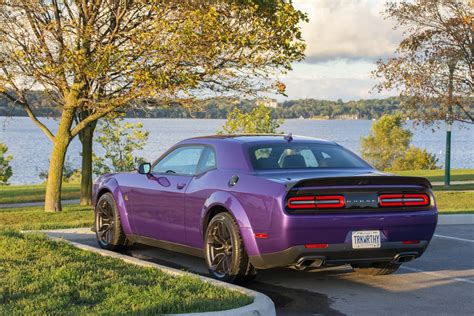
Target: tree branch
[30,113]
[89,119]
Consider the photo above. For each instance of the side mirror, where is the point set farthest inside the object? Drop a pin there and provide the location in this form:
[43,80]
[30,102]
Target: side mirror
[144,168]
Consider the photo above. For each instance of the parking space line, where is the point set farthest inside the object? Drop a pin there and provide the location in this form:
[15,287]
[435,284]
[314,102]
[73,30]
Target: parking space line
[453,238]
[437,274]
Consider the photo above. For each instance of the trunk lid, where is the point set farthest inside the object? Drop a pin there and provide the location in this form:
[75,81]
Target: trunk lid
[353,190]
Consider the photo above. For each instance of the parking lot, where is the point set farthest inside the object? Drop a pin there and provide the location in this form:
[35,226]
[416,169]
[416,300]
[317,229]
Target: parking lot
[440,282]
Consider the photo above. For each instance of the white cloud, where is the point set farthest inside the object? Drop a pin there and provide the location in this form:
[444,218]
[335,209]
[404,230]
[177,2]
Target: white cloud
[347,29]
[331,80]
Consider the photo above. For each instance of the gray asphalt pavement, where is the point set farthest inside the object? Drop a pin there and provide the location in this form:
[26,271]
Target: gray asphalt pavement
[441,282]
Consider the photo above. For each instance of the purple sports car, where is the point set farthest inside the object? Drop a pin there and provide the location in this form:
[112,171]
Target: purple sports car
[249,202]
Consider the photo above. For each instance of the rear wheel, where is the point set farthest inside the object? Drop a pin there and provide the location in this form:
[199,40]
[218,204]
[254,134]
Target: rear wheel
[225,253]
[108,228]
[377,268]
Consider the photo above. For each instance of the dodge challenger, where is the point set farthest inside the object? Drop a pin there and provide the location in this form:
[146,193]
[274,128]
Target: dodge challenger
[249,202]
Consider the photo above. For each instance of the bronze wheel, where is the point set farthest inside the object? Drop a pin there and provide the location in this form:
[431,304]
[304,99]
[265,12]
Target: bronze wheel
[225,253]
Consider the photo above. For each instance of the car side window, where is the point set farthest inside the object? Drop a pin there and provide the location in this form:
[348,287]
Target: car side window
[208,160]
[182,161]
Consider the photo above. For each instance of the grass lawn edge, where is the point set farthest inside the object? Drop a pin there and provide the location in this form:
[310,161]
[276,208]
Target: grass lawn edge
[261,304]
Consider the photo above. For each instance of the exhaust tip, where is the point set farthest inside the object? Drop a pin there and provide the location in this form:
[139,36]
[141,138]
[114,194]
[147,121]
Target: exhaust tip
[305,263]
[402,258]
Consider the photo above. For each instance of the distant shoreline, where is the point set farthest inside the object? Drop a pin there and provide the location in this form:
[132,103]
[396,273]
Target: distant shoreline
[199,118]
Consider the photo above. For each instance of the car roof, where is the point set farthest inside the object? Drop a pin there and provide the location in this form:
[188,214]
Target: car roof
[262,138]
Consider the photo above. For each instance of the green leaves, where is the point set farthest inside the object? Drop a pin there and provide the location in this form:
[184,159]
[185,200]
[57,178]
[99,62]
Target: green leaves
[5,168]
[388,147]
[119,141]
[257,121]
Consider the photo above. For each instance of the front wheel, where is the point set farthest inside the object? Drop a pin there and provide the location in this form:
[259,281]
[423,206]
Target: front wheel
[377,268]
[108,228]
[225,253]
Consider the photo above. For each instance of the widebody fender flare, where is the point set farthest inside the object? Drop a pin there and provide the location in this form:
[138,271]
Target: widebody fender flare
[228,201]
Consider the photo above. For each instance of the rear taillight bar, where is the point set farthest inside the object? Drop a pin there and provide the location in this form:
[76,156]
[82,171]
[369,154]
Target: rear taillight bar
[414,199]
[316,202]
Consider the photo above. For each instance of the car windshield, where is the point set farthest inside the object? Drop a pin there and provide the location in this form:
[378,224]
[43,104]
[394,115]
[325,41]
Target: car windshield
[303,156]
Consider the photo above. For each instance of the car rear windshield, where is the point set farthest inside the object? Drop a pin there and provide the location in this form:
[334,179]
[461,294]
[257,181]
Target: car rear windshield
[303,156]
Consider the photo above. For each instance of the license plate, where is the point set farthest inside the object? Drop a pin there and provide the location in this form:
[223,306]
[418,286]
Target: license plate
[366,239]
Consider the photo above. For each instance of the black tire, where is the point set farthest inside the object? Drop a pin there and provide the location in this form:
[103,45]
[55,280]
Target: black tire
[225,253]
[377,268]
[108,227]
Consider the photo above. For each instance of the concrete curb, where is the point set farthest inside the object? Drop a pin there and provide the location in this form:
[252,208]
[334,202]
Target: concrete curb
[456,219]
[262,304]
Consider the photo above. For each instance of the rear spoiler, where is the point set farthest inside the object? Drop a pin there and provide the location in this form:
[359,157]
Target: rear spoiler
[361,181]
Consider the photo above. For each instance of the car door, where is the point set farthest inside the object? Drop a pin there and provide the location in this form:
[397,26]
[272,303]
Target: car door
[198,191]
[158,198]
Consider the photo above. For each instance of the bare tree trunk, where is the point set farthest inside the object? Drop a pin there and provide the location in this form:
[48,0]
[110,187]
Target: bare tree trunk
[53,188]
[52,201]
[86,136]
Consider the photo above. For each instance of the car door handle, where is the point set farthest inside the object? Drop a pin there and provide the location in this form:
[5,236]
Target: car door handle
[180,185]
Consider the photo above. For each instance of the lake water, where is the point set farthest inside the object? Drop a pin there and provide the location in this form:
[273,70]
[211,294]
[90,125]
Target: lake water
[31,149]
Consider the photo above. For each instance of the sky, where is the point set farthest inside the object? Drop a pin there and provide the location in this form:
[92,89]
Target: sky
[344,38]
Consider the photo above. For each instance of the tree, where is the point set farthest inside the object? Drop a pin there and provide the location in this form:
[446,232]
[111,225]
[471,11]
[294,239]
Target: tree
[86,136]
[5,168]
[119,141]
[387,141]
[388,146]
[92,57]
[258,120]
[432,68]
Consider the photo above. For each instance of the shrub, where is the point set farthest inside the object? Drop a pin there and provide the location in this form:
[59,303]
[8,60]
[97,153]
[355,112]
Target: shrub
[415,159]
[5,168]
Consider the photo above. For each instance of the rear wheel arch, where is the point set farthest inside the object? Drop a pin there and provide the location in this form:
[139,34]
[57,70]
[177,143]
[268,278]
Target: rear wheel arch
[213,211]
[102,191]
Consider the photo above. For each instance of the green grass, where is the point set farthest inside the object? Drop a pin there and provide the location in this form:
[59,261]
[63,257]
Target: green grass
[34,193]
[41,277]
[33,218]
[452,202]
[454,187]
[438,175]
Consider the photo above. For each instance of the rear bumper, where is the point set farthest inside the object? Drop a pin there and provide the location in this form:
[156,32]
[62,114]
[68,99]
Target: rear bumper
[339,254]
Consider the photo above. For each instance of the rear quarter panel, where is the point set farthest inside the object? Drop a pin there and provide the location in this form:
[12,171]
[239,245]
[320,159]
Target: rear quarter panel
[250,201]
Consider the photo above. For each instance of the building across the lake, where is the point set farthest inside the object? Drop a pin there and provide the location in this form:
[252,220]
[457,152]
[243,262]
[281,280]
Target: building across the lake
[271,103]
[346,117]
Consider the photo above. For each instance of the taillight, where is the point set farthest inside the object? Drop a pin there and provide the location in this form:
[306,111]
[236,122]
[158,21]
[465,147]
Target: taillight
[301,202]
[413,199]
[319,202]
[416,199]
